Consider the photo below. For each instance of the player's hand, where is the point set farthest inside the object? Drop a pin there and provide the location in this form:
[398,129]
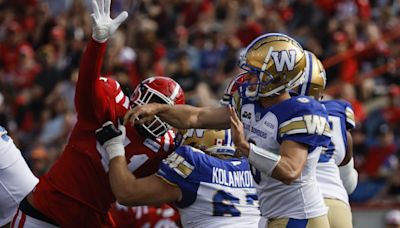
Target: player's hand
[237,132]
[142,113]
[112,139]
[103,26]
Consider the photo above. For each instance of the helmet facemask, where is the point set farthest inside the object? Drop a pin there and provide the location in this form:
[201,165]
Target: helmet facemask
[145,95]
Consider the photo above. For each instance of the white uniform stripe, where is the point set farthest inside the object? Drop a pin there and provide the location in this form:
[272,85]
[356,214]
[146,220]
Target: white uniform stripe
[176,91]
[264,66]
[166,141]
[307,76]
[349,110]
[119,97]
[229,140]
[126,103]
[351,122]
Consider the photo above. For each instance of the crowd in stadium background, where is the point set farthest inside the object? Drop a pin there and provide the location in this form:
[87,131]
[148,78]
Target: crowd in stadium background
[197,43]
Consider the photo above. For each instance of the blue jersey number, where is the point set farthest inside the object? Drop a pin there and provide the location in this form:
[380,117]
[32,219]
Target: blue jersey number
[223,203]
[337,144]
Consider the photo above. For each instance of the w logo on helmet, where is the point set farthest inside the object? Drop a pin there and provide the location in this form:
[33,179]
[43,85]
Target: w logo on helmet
[282,58]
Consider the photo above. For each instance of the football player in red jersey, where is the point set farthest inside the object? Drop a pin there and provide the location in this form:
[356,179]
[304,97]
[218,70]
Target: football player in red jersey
[76,192]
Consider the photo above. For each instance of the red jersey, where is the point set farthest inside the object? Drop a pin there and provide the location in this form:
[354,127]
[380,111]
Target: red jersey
[145,216]
[76,190]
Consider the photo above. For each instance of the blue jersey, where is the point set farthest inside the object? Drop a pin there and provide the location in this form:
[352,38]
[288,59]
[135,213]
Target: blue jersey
[300,119]
[341,119]
[215,192]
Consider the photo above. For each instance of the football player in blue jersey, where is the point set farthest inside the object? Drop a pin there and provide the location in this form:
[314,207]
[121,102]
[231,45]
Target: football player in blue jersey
[336,175]
[209,191]
[282,136]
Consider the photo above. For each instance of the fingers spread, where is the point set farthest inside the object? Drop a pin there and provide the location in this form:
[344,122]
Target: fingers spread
[121,18]
[95,8]
[101,6]
[107,7]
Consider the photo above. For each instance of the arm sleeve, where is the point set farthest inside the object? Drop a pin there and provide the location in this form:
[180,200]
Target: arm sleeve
[349,176]
[90,102]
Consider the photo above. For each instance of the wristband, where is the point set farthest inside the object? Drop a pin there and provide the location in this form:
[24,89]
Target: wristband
[114,150]
[262,159]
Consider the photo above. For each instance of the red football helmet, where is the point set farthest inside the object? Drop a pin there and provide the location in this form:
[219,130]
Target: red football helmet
[233,86]
[157,90]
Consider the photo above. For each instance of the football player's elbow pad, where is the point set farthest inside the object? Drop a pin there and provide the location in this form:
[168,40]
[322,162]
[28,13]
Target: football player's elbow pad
[349,176]
[262,159]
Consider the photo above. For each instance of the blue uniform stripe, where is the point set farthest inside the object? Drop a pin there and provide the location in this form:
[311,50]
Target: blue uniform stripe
[226,138]
[297,223]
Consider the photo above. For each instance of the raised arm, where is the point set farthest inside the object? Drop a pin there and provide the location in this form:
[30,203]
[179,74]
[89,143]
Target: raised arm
[88,96]
[181,116]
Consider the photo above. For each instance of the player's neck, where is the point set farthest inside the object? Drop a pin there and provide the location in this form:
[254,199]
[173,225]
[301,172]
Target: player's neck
[269,101]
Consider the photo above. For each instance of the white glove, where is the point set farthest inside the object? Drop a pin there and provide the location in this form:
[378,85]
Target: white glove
[112,139]
[103,26]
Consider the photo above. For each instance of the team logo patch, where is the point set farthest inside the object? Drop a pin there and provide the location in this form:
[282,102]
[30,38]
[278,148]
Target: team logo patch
[284,59]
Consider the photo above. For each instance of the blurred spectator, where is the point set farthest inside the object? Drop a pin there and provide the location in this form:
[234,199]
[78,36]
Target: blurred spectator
[49,74]
[349,94]
[381,159]
[39,161]
[391,191]
[196,90]
[391,113]
[249,29]
[360,147]
[57,122]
